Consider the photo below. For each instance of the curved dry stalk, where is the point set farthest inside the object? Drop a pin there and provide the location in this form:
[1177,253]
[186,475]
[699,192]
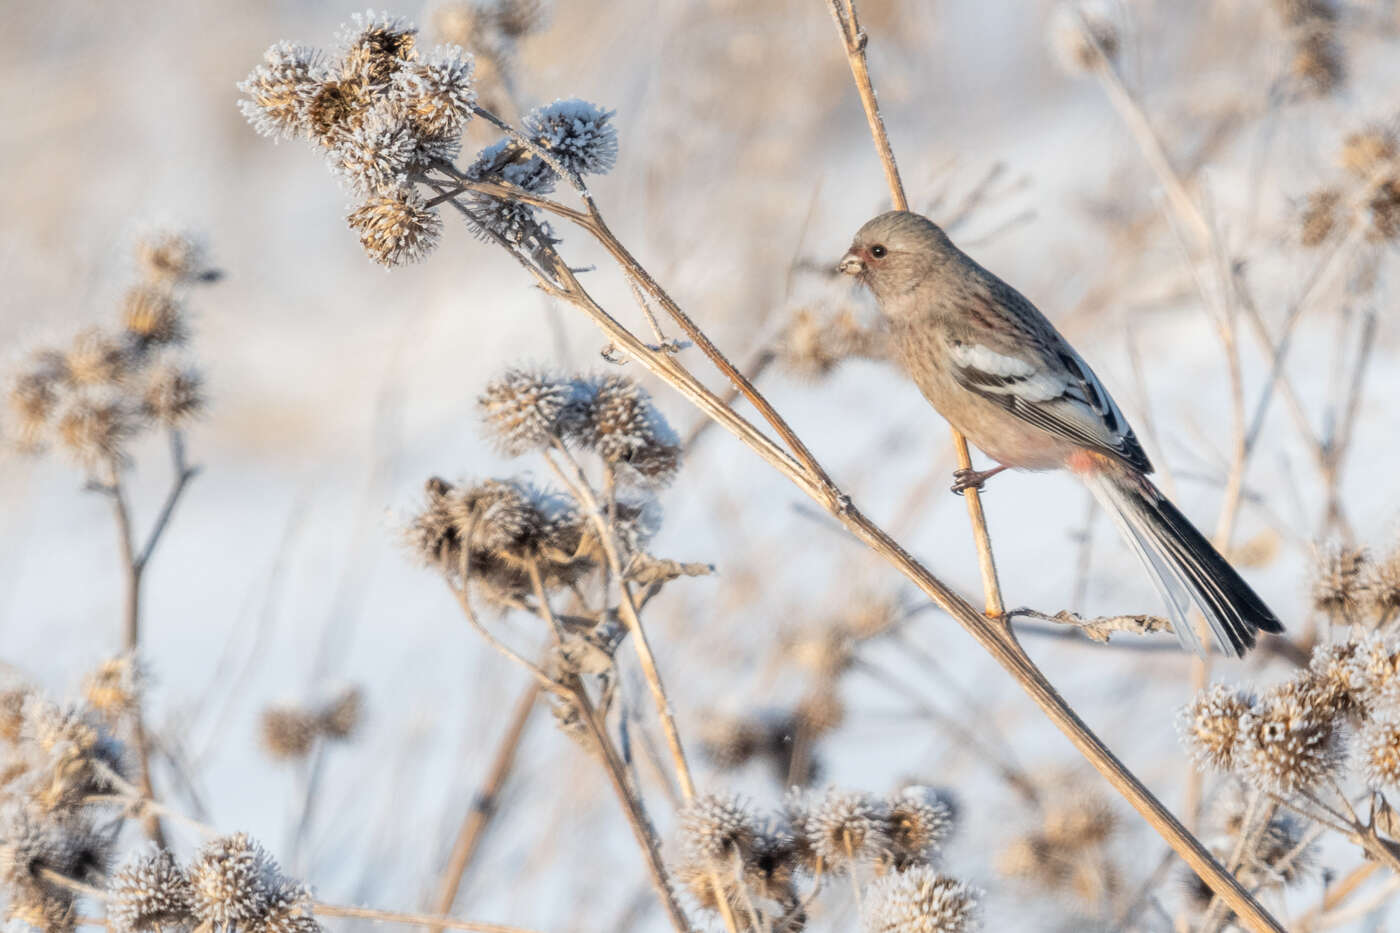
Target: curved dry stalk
[854,38]
[430,920]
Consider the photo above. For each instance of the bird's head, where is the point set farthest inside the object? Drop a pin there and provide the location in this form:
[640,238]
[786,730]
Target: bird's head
[895,252]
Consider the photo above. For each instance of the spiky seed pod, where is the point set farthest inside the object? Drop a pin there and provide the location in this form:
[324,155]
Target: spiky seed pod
[169,257]
[281,91]
[288,733]
[95,358]
[1210,726]
[432,534]
[1334,679]
[437,92]
[46,911]
[289,910]
[149,893]
[1375,671]
[1320,216]
[377,46]
[374,155]
[113,690]
[769,865]
[1382,588]
[1379,752]
[505,517]
[618,421]
[715,828]
[917,823]
[522,409]
[173,395]
[920,900]
[396,227]
[75,755]
[1384,207]
[1318,64]
[152,317]
[1077,822]
[1366,151]
[12,701]
[340,718]
[1280,857]
[1287,743]
[233,882]
[94,429]
[32,399]
[577,133]
[848,827]
[1337,582]
[337,107]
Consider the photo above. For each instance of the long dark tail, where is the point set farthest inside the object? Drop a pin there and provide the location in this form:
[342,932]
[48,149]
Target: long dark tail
[1183,564]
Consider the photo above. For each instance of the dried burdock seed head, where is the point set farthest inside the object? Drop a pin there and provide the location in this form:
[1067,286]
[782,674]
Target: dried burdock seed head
[1210,726]
[114,689]
[920,900]
[94,428]
[233,882]
[815,342]
[1082,38]
[1078,821]
[432,534]
[436,92]
[377,46]
[770,864]
[169,258]
[1318,64]
[336,107]
[32,399]
[617,421]
[1365,152]
[1320,216]
[148,893]
[12,701]
[288,733]
[820,712]
[730,742]
[522,409]
[1337,582]
[506,517]
[1382,588]
[1288,742]
[50,910]
[396,227]
[1333,677]
[1281,858]
[74,755]
[290,911]
[848,827]
[281,91]
[375,154]
[1384,207]
[1375,672]
[96,357]
[173,395]
[341,717]
[152,317]
[715,828]
[577,133]
[32,841]
[1378,751]
[917,823]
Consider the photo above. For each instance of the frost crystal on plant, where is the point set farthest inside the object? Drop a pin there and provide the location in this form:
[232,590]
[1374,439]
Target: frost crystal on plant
[919,900]
[1210,726]
[522,409]
[577,133]
[150,892]
[1288,743]
[714,827]
[846,827]
[396,227]
[375,155]
[280,91]
[436,92]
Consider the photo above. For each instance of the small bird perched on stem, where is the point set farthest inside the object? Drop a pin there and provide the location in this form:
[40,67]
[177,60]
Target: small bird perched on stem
[1001,374]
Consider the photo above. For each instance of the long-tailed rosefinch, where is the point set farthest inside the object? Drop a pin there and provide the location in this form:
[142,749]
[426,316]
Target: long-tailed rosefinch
[1004,377]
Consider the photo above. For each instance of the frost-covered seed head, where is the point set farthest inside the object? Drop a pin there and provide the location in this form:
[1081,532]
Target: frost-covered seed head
[1287,743]
[149,892]
[396,227]
[436,92]
[1374,671]
[1364,152]
[848,827]
[1078,821]
[617,420]
[32,399]
[1210,726]
[1382,588]
[152,317]
[432,534]
[377,45]
[1337,582]
[920,900]
[288,733]
[94,428]
[280,92]
[170,258]
[340,718]
[96,357]
[522,409]
[1384,207]
[716,827]
[1379,752]
[336,108]
[114,689]
[918,822]
[173,395]
[375,154]
[233,882]
[577,133]
[1318,65]
[1319,216]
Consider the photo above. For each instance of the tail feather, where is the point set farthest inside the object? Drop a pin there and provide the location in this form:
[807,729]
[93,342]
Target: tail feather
[1183,564]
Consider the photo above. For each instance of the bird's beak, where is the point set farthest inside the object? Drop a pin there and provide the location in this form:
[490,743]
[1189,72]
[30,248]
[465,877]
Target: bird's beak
[851,264]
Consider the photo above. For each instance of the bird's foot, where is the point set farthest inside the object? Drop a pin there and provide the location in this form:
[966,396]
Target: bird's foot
[964,480]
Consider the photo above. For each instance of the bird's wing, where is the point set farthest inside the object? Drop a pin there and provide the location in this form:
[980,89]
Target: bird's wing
[1025,366]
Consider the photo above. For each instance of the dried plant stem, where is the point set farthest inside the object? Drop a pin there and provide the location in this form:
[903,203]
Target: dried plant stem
[854,39]
[483,806]
[389,916]
[1338,893]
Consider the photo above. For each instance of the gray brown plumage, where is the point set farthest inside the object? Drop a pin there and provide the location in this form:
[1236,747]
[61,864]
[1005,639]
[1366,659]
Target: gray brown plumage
[1001,374]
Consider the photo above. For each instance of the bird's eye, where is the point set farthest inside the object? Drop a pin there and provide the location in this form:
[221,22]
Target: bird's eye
[878,251]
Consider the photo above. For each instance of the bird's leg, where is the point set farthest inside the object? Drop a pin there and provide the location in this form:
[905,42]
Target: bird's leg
[964,480]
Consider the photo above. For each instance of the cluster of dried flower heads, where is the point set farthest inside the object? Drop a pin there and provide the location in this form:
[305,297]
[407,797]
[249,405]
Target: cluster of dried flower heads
[94,394]
[756,863]
[1068,850]
[492,31]
[1368,193]
[289,733]
[391,119]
